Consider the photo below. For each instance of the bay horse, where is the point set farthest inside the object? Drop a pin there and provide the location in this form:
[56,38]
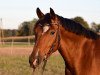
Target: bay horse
[79,47]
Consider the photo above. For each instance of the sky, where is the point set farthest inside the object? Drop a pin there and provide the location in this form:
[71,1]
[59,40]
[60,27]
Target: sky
[14,12]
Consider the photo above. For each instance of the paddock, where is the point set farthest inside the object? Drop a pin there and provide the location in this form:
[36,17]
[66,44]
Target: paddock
[14,61]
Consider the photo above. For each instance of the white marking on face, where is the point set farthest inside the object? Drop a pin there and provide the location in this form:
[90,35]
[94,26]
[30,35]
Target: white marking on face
[35,62]
[45,29]
[37,54]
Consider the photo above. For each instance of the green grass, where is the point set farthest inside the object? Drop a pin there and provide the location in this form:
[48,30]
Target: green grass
[17,65]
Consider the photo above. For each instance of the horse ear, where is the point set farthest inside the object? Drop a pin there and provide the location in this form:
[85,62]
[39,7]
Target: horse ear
[52,13]
[39,13]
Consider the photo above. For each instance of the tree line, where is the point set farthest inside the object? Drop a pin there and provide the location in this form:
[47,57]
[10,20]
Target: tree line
[26,28]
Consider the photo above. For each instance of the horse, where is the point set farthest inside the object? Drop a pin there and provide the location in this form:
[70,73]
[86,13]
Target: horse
[79,47]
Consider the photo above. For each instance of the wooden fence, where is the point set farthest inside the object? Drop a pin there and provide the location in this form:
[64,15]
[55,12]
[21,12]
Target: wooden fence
[16,40]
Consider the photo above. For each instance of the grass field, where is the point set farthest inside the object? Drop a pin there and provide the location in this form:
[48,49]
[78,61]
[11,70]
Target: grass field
[18,65]
[14,61]
[16,45]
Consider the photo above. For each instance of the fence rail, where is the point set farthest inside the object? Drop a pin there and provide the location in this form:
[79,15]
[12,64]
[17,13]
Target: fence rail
[17,37]
[28,40]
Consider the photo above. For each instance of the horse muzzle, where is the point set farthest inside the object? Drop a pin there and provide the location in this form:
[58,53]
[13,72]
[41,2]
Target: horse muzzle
[37,61]
[33,62]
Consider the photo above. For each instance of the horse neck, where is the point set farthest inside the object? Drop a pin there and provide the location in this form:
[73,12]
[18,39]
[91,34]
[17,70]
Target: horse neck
[72,47]
[71,43]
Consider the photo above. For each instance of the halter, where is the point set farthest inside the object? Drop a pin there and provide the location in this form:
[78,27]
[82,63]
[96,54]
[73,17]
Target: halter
[52,47]
[57,38]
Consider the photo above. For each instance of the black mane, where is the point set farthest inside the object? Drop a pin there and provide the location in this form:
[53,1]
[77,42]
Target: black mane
[77,28]
[72,26]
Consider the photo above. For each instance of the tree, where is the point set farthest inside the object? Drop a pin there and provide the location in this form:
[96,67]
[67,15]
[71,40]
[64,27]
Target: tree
[81,21]
[98,27]
[95,27]
[23,29]
[26,28]
[9,32]
[32,23]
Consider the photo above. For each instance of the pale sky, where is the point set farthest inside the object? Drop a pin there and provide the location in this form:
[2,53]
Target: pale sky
[14,12]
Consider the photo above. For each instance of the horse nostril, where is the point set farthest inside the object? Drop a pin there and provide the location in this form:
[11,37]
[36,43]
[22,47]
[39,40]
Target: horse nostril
[30,60]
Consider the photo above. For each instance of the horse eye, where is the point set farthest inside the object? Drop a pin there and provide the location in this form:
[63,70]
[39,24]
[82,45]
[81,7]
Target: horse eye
[52,33]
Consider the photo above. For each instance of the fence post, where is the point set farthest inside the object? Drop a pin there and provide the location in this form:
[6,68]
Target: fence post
[29,41]
[12,43]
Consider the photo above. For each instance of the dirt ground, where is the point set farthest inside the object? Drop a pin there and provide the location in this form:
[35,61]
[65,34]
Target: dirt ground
[17,51]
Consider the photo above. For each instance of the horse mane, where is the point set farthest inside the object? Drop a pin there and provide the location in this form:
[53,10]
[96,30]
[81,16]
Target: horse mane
[77,28]
[72,26]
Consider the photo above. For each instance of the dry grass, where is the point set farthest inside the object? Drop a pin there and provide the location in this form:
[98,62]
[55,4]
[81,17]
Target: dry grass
[17,62]
[18,65]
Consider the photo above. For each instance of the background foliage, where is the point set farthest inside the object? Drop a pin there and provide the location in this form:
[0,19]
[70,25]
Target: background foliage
[26,28]
[81,21]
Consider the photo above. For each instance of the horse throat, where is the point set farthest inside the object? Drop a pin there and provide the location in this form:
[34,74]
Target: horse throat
[73,50]
[70,45]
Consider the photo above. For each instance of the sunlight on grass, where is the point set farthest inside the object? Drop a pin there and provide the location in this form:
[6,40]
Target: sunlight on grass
[17,65]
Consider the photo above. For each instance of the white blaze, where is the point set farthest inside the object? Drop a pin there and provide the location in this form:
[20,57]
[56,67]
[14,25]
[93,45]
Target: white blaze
[37,54]
[45,29]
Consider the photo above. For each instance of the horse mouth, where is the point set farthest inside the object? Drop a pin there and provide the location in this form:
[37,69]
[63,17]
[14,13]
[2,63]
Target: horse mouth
[34,64]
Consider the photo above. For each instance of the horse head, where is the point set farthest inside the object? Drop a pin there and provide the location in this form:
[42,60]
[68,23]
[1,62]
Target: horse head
[47,37]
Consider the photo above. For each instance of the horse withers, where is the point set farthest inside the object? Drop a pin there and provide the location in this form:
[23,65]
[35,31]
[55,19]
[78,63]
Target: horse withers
[78,46]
